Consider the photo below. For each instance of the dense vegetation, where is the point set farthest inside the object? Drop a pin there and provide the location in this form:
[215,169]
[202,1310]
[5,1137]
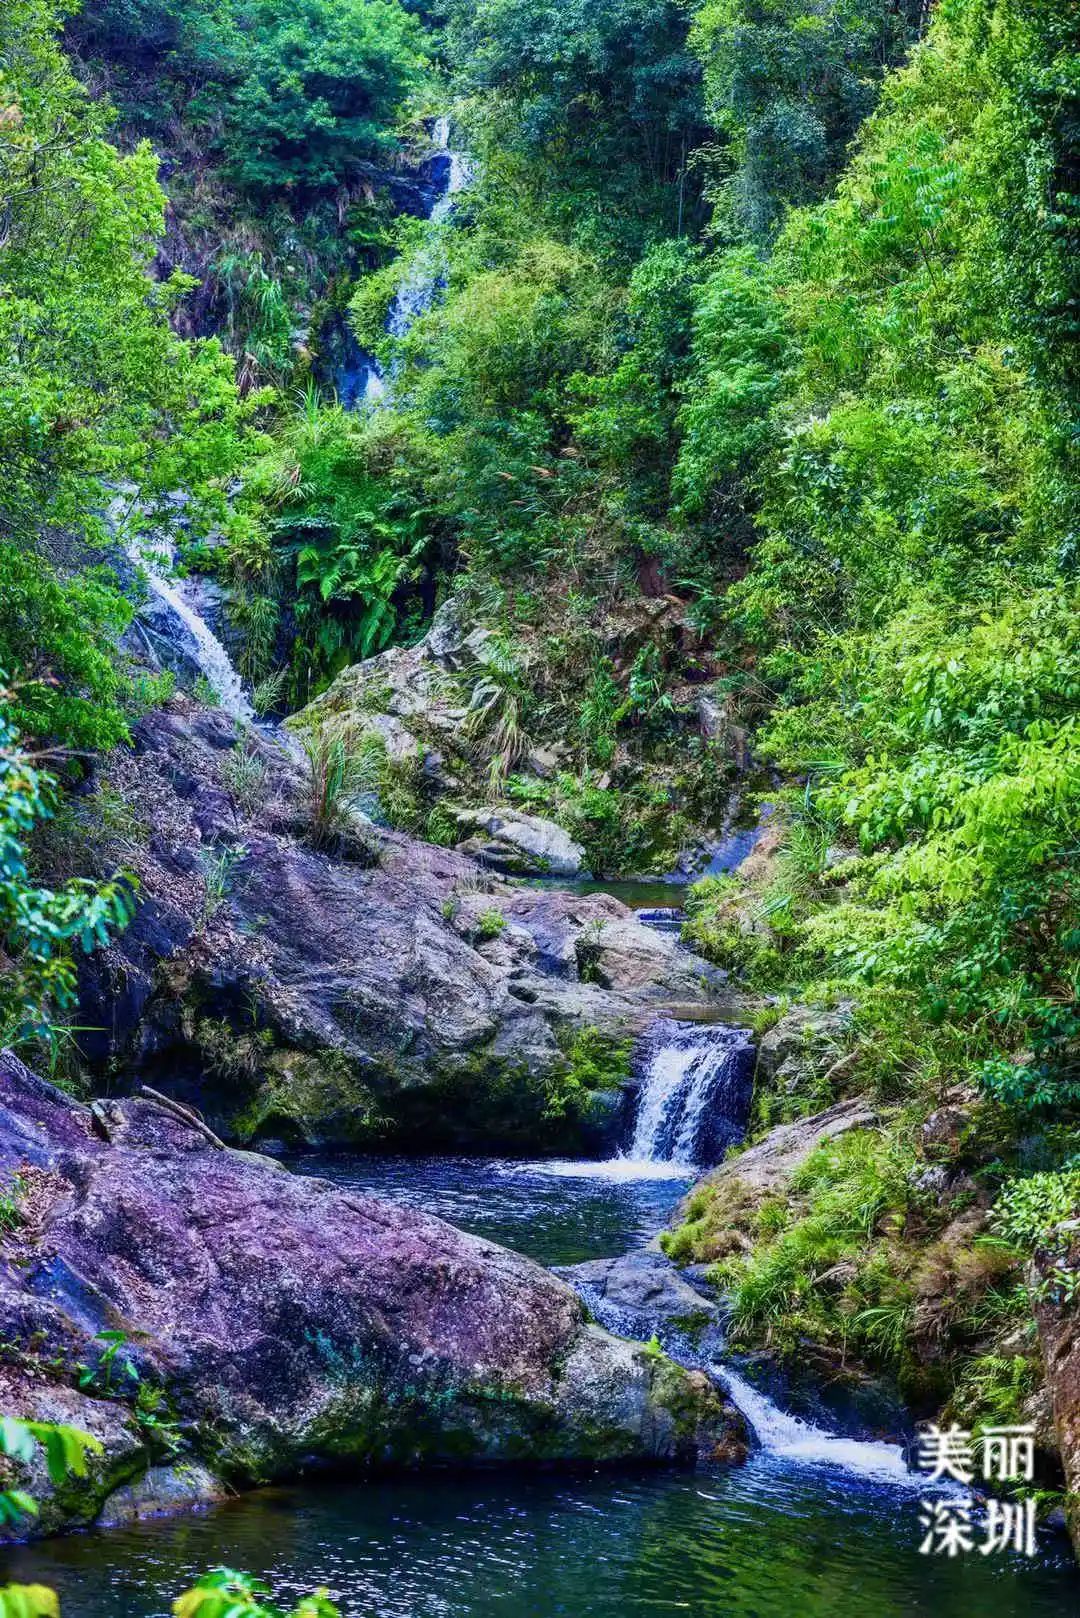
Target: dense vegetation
[750,380]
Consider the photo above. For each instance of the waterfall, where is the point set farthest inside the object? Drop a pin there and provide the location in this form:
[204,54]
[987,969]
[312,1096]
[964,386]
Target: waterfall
[778,1434]
[425,272]
[209,655]
[695,1091]
[793,1439]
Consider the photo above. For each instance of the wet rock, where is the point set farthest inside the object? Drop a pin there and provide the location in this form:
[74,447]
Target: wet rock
[287,1322]
[163,1491]
[643,1283]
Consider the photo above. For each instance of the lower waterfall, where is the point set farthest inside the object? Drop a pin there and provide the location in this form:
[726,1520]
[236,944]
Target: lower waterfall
[695,1091]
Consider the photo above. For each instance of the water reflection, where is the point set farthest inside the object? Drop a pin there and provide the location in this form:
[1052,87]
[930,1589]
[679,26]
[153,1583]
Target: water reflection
[609,1209]
[766,1541]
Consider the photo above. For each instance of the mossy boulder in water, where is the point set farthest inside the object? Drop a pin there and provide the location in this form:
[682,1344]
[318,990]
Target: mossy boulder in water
[282,1324]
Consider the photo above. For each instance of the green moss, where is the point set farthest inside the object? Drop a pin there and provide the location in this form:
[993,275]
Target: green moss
[304,1092]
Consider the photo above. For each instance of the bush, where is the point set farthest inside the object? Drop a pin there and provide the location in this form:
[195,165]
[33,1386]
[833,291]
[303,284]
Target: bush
[39,926]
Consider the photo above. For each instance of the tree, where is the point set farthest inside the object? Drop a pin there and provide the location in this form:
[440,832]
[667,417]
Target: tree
[95,388]
[788,82]
[323,84]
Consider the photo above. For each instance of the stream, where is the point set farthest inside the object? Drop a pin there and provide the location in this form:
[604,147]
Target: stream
[813,1526]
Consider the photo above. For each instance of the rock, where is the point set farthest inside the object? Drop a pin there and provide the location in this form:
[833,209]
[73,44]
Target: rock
[625,954]
[327,1000]
[770,1164]
[805,1041]
[542,762]
[1055,1291]
[643,1283]
[289,1323]
[163,1491]
[942,1135]
[518,844]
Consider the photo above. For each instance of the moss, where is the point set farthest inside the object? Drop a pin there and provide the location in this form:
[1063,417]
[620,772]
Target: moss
[304,1091]
[688,1397]
[883,1278]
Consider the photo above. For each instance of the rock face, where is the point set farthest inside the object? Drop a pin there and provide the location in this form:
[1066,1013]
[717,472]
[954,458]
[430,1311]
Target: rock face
[284,1323]
[396,986]
[1057,1310]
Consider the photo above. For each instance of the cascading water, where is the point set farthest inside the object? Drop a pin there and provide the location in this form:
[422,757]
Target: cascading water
[426,269]
[695,1091]
[791,1438]
[210,656]
[696,1082]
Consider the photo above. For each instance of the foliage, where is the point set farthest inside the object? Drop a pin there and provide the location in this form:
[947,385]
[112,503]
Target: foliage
[337,775]
[596,1061]
[788,82]
[66,1450]
[352,536]
[95,389]
[489,924]
[910,592]
[323,83]
[40,926]
[1029,1211]
[226,1594]
[605,96]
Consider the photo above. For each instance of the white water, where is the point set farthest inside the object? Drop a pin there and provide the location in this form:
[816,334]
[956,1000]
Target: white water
[426,269]
[794,1439]
[690,1070]
[154,555]
[213,660]
[694,1087]
[617,1170]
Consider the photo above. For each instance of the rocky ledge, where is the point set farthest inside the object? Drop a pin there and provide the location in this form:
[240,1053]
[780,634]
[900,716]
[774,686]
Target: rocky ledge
[272,1324]
[386,988]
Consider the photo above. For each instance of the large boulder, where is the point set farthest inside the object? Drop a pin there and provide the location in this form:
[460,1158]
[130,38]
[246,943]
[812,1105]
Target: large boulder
[285,1323]
[518,844]
[392,985]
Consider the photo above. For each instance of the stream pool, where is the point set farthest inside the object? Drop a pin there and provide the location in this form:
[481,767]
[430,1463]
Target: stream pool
[777,1538]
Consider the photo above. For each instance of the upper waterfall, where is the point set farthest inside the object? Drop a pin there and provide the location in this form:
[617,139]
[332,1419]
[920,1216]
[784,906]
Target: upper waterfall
[695,1091]
[426,269]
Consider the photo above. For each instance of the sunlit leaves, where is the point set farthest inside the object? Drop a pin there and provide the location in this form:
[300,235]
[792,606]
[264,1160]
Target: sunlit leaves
[224,1593]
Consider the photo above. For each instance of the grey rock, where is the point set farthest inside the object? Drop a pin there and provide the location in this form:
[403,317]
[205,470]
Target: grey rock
[644,1283]
[358,988]
[162,1491]
[770,1163]
[518,844]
